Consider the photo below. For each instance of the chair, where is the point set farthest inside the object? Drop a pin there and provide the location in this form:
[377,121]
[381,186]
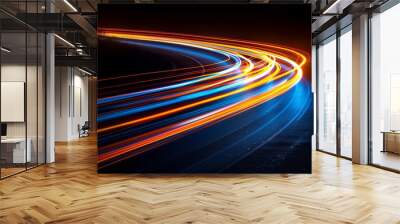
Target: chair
[84,129]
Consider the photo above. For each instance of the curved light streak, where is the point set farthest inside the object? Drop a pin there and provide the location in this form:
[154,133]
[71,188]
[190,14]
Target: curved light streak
[253,72]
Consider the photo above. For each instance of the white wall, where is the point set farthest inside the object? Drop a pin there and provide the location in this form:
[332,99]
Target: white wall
[14,72]
[33,126]
[71,102]
[62,83]
[80,110]
[17,72]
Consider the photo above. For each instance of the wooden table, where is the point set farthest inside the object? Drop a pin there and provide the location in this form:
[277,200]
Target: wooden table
[391,141]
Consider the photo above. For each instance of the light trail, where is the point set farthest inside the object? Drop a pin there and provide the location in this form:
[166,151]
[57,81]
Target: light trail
[248,75]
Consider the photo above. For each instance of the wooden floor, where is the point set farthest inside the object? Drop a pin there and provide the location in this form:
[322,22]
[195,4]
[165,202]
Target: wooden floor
[70,191]
[387,159]
[5,172]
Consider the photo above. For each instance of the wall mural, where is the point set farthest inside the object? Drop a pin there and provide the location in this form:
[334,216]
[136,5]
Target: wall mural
[204,88]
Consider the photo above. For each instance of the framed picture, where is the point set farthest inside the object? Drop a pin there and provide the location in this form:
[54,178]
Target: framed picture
[204,88]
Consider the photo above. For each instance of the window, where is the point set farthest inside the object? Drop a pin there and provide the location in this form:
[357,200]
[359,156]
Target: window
[346,93]
[327,96]
[385,89]
[22,77]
